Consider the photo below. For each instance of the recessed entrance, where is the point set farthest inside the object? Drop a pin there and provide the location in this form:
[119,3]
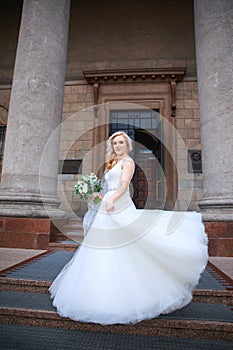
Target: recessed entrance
[145,129]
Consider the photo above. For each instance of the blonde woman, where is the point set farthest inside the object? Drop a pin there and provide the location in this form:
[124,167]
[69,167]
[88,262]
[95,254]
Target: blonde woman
[130,266]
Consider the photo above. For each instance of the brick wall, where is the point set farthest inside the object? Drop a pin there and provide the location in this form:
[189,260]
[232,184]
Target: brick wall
[188,126]
[76,139]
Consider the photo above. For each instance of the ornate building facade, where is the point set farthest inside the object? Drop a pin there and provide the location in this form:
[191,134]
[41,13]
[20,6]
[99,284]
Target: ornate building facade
[71,73]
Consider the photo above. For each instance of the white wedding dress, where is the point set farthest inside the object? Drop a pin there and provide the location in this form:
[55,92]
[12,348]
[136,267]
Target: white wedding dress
[132,264]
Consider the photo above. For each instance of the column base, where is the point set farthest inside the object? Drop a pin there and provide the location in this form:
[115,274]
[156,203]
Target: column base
[29,205]
[29,233]
[216,209]
[220,236]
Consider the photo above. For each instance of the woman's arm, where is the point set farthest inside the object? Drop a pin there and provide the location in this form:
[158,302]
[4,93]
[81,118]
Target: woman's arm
[126,175]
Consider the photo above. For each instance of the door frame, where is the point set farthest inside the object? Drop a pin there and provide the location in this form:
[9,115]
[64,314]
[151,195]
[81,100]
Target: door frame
[133,97]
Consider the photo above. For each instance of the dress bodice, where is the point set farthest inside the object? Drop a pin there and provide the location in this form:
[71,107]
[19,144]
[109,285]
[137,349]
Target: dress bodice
[113,176]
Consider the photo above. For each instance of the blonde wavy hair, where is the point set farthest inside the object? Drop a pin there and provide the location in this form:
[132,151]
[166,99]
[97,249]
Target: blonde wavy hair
[111,157]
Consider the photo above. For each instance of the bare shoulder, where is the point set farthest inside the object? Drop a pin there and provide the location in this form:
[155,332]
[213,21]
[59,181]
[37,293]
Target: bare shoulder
[128,161]
[128,168]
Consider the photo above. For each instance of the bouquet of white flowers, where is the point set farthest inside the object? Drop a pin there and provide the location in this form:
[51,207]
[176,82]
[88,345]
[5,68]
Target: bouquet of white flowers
[87,185]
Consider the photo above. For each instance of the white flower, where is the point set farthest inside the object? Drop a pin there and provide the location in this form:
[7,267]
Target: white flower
[85,188]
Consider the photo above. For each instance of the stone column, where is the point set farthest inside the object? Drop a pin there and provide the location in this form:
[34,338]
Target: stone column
[35,111]
[214,54]
[28,198]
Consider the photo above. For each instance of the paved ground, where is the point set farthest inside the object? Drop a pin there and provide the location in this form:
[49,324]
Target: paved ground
[225,264]
[11,256]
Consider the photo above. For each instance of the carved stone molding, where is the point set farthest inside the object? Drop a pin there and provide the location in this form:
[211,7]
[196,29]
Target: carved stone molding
[171,76]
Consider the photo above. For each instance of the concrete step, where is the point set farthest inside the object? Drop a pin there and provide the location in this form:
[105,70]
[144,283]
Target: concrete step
[74,236]
[199,320]
[71,228]
[24,300]
[38,273]
[71,243]
[24,285]
[68,246]
[40,286]
[49,265]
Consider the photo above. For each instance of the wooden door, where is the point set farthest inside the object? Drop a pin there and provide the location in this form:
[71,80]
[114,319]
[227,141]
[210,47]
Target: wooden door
[145,129]
[148,181]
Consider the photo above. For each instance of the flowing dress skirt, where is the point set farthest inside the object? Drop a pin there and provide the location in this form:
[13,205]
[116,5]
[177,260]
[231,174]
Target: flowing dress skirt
[132,265]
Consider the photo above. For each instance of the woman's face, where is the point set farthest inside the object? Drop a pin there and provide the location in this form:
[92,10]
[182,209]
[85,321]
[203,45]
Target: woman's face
[120,146]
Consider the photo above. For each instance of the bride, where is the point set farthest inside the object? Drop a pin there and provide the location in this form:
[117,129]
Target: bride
[132,264]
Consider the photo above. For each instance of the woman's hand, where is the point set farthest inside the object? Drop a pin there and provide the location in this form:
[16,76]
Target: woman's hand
[109,207]
[95,195]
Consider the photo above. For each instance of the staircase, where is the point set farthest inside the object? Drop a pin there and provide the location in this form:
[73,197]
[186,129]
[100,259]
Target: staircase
[25,304]
[71,236]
